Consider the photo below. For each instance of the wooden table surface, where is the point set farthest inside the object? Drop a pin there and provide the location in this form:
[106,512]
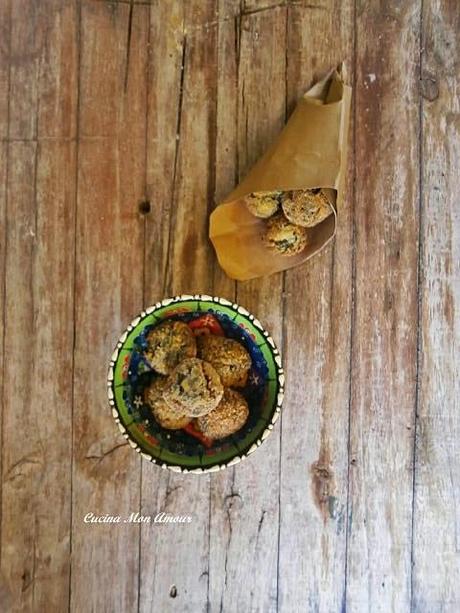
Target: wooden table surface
[353,504]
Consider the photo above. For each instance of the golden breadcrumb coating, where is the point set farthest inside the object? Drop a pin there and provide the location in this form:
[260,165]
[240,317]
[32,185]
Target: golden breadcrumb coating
[284,237]
[162,412]
[168,344]
[229,358]
[193,388]
[228,417]
[307,208]
[263,204]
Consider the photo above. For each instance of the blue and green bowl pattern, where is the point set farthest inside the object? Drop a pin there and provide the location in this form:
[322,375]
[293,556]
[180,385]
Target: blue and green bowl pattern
[130,373]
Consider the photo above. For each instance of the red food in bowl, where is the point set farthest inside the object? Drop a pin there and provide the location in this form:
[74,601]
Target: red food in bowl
[206,324]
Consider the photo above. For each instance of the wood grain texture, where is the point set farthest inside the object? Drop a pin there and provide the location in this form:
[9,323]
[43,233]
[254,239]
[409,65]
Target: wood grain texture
[19,470]
[352,503]
[385,319]
[317,348]
[109,246]
[226,161]
[164,113]
[3,234]
[5,27]
[24,52]
[436,549]
[186,153]
[40,309]
[243,516]
[58,69]
[38,283]
[53,320]
[190,256]
[5,42]
[5,592]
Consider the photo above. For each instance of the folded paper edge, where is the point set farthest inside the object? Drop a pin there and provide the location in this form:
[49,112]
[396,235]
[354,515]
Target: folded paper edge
[338,73]
[287,259]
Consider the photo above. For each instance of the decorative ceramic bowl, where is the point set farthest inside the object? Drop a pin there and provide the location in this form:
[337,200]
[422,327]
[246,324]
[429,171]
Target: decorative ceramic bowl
[184,450]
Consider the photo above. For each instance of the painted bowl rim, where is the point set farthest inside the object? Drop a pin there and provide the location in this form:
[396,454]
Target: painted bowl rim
[276,410]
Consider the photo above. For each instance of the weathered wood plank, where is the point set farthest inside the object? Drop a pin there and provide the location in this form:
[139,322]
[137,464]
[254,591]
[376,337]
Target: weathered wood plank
[436,548]
[166,55]
[109,248]
[39,71]
[226,77]
[181,142]
[39,306]
[25,46]
[193,190]
[4,588]
[20,471]
[163,120]
[385,319]
[5,41]
[226,137]
[53,274]
[243,541]
[38,58]
[314,462]
[57,95]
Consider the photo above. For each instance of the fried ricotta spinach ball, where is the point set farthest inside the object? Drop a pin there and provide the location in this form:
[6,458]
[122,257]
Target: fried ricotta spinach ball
[193,388]
[227,418]
[284,237]
[161,411]
[229,358]
[168,344]
[307,208]
[263,204]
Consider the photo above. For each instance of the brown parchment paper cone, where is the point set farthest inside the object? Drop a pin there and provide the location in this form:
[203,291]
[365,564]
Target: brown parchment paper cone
[310,152]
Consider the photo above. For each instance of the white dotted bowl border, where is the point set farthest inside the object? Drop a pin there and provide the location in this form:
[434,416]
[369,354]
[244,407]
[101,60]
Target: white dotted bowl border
[280,378]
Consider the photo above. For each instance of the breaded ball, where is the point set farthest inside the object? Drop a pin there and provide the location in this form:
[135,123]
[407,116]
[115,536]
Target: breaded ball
[168,344]
[307,208]
[162,412]
[228,357]
[228,417]
[193,388]
[263,204]
[284,237]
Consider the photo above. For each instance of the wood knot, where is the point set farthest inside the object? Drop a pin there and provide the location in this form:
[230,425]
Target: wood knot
[322,485]
[321,471]
[322,478]
[27,579]
[388,300]
[144,207]
[173,591]
[429,88]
